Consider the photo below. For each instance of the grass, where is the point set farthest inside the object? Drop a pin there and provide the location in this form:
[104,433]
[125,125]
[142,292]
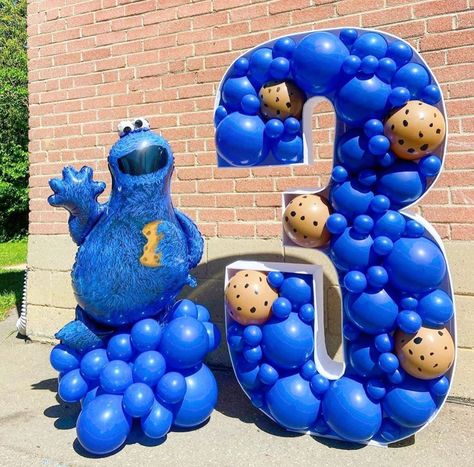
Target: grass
[11,281]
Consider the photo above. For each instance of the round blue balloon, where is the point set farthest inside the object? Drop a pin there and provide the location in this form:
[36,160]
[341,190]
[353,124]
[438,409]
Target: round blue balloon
[93,362]
[63,358]
[146,334]
[247,373]
[158,422]
[288,343]
[199,400]
[353,152]
[284,47]
[115,377]
[138,399]
[292,404]
[253,334]
[296,290]
[267,374]
[409,321]
[391,224]
[363,357]
[102,426]
[412,76]
[317,62]
[370,43]
[120,347]
[72,386]
[288,150]
[350,412]
[149,367]
[350,251]
[435,308]
[259,66]
[234,89]
[184,307]
[400,52]
[171,388]
[351,198]
[184,343]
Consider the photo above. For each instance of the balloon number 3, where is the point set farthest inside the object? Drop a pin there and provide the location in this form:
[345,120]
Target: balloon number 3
[398,314]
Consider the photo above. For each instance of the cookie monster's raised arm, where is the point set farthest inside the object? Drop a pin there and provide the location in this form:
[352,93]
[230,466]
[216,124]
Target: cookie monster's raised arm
[77,192]
[193,237]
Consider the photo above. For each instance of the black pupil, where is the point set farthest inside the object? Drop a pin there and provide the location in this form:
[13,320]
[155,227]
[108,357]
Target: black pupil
[127,129]
[138,123]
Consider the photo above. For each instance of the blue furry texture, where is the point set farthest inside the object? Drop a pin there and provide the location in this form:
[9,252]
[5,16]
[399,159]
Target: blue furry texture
[110,283]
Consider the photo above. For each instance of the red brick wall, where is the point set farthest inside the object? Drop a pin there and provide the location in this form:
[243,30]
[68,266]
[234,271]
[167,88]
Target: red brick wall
[96,62]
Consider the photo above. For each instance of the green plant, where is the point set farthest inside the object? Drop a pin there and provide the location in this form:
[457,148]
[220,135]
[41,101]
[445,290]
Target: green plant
[14,114]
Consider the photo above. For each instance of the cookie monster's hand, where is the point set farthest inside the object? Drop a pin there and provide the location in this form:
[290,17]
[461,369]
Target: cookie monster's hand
[77,192]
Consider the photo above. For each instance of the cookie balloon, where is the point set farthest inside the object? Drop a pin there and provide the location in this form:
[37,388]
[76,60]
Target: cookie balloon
[281,99]
[427,354]
[304,221]
[415,130]
[249,297]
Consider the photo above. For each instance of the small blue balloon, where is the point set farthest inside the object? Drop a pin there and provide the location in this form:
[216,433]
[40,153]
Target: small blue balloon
[363,224]
[146,334]
[252,354]
[399,96]
[171,388]
[339,174]
[409,321]
[102,426]
[306,312]
[149,367]
[138,399]
[351,198]
[184,343]
[63,358]
[369,64]
[213,334]
[355,282]
[284,47]
[350,332]
[376,389]
[352,151]
[267,374]
[115,377]
[414,229]
[384,343]
[350,412]
[241,66]
[274,128]
[377,276]
[367,177]
[348,36]
[279,68]
[281,308]
[234,89]
[308,370]
[158,422]
[400,52]
[370,43]
[120,347]
[388,362]
[412,76]
[435,308]
[180,308]
[253,335]
[439,387]
[383,245]
[250,104]
[387,160]
[397,377]
[409,303]
[352,250]
[430,166]
[373,127]
[319,384]
[288,149]
[380,204]
[431,94]
[259,65]
[219,115]
[72,386]
[379,145]
[386,69]
[275,279]
[363,357]
[199,400]
[203,313]
[93,362]
[336,224]
[296,290]
[90,396]
[391,224]
[351,65]
[292,126]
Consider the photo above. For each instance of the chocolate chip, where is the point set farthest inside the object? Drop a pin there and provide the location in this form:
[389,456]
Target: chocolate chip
[438,131]
[418,340]
[315,223]
[407,111]
[253,310]
[440,333]
[410,351]
[411,150]
[420,134]
[423,147]
[265,302]
[292,213]
[405,123]
[422,357]
[302,218]
[246,286]
[288,105]
[401,142]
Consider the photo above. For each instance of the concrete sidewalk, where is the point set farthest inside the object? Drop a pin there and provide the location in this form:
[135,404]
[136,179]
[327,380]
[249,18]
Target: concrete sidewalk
[36,429]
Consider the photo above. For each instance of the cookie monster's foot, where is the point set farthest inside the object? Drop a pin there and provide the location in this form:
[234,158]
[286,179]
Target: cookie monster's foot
[152,371]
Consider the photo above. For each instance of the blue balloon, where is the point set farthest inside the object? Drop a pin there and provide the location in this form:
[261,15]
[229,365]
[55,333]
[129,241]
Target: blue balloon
[362,99]
[296,290]
[288,343]
[158,422]
[274,128]
[184,343]
[93,362]
[102,426]
[149,367]
[363,224]
[353,152]
[372,312]
[259,66]
[414,229]
[247,374]
[308,370]
[119,347]
[430,166]
[306,312]
[171,388]
[219,115]
[409,321]
[292,404]
[240,139]
[146,334]
[402,183]
[363,357]
[288,149]
[439,387]
[370,43]
[115,377]
[138,399]
[279,68]
[284,47]
[386,70]
[369,64]
[400,52]
[252,354]
[351,65]
[399,96]
[267,374]
[234,89]
[339,174]
[317,62]
[435,308]
[63,358]
[382,245]
[253,334]
[199,400]
[373,127]
[415,265]
[351,198]
[411,404]
[203,314]
[184,308]
[431,94]
[250,104]
[348,36]
[72,386]
[281,308]
[213,334]
[241,66]
[377,276]
[384,343]
[412,76]
[391,225]
[350,251]
[336,224]
[388,362]
[90,396]
[319,384]
[350,412]
[355,282]
[379,145]
[376,389]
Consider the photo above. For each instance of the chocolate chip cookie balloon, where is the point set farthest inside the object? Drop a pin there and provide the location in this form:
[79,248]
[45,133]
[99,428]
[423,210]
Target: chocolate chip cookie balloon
[415,130]
[281,99]
[427,354]
[249,297]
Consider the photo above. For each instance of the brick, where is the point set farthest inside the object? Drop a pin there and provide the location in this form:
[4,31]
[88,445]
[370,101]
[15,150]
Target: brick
[439,7]
[349,7]
[237,229]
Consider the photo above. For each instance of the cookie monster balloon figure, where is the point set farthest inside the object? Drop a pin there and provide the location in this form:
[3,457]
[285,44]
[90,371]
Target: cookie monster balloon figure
[130,340]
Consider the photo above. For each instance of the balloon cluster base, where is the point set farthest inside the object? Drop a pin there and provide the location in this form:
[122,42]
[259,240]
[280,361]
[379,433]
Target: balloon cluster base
[151,372]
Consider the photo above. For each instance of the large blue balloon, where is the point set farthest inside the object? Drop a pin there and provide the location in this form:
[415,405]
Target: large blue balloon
[240,139]
[373,312]
[146,334]
[415,265]
[296,290]
[184,343]
[412,76]
[364,357]
[435,308]
[292,403]
[234,90]
[352,251]
[63,358]
[349,411]
[351,198]
[199,400]
[171,388]
[317,62]
[352,151]
[288,343]
[158,422]
[102,426]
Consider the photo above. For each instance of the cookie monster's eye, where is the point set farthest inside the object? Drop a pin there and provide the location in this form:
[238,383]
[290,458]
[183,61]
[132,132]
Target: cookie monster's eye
[142,123]
[124,128]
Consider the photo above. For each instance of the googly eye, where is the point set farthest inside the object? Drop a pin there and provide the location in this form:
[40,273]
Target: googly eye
[142,123]
[125,127]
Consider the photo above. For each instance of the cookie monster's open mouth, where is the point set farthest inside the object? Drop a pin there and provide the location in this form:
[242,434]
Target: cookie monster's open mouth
[144,160]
